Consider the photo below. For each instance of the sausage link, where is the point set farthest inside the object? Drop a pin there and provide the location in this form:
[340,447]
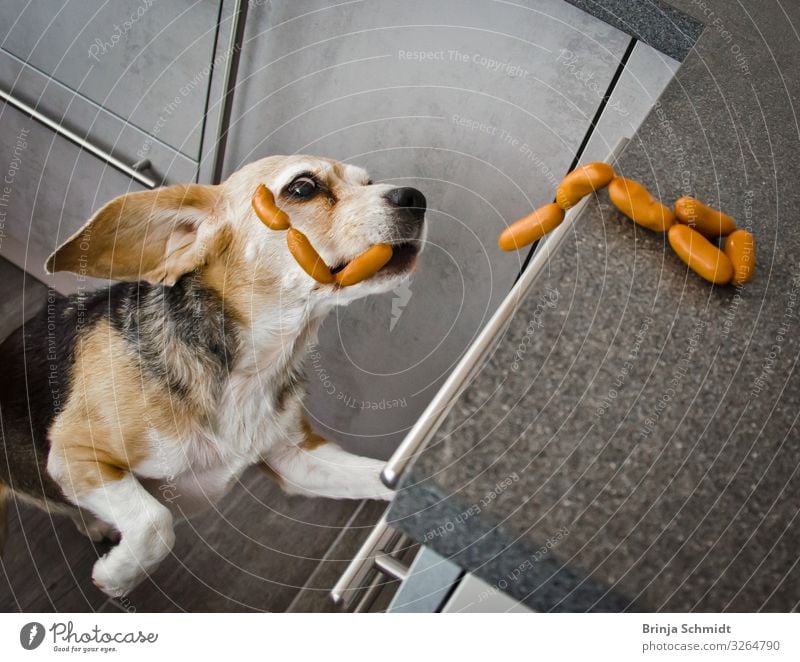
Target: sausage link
[740,247]
[363,266]
[264,206]
[581,182]
[700,254]
[707,221]
[531,228]
[308,258]
[636,202]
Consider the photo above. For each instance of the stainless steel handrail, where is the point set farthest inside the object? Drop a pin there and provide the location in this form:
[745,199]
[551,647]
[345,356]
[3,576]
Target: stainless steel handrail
[378,545]
[443,401]
[384,567]
[64,132]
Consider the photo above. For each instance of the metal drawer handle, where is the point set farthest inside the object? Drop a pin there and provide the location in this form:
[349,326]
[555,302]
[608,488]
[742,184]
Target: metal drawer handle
[131,172]
[391,567]
[373,555]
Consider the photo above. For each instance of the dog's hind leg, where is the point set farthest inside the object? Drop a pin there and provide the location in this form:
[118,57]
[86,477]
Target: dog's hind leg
[116,496]
[5,496]
[94,528]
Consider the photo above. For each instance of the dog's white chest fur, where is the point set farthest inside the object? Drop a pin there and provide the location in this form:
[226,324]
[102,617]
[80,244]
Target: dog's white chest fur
[190,474]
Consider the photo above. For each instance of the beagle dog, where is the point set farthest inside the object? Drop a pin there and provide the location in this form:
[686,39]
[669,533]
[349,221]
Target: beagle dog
[126,407]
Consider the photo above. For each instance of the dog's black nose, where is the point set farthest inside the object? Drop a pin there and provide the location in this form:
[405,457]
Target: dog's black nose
[410,199]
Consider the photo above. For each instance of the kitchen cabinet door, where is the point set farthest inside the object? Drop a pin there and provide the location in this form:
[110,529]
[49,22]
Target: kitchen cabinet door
[49,189]
[147,62]
[482,106]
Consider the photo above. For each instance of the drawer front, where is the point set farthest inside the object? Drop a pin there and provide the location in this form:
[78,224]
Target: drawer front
[146,62]
[50,187]
[98,126]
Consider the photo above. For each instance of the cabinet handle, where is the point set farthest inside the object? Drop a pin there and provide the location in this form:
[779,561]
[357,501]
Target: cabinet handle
[391,567]
[57,127]
[375,554]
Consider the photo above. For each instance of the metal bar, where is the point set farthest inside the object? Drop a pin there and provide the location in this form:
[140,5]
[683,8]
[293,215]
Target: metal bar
[443,401]
[354,577]
[131,172]
[391,567]
[377,581]
[369,596]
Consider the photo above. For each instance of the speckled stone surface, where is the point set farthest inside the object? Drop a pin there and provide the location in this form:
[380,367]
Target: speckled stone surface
[633,441]
[655,22]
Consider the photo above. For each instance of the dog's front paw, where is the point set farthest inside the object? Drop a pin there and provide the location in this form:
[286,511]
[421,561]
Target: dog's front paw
[115,579]
[384,495]
[379,491]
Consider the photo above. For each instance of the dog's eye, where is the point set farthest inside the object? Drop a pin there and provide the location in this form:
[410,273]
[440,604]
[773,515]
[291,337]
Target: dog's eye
[302,187]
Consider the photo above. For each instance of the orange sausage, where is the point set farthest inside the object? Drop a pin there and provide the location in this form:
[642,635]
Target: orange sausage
[707,221]
[531,228]
[370,262]
[740,247]
[636,202]
[581,182]
[264,205]
[700,254]
[310,261]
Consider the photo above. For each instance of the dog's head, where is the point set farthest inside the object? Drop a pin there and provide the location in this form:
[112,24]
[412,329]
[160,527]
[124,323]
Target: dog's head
[160,235]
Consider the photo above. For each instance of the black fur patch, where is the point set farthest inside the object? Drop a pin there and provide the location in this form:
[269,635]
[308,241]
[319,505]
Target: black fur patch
[168,325]
[163,325]
[37,360]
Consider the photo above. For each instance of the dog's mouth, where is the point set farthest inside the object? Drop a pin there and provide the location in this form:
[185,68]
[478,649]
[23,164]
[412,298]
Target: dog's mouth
[404,257]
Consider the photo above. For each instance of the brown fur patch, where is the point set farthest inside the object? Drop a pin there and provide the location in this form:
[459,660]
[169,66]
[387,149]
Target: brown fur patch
[312,439]
[269,471]
[241,288]
[103,430]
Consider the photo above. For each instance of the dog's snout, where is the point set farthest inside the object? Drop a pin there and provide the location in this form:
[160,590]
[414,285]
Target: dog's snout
[408,198]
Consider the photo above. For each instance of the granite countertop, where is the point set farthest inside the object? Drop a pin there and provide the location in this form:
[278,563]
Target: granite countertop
[633,440]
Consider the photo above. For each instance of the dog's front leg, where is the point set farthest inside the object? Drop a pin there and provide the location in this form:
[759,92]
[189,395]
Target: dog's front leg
[316,467]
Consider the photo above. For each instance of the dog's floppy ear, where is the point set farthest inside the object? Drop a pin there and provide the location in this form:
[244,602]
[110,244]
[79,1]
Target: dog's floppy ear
[156,236]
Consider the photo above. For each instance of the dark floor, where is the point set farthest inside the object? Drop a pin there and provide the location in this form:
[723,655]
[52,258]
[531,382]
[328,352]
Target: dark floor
[257,551]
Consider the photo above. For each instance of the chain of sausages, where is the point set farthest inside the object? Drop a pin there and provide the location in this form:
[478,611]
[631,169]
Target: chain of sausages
[361,267]
[691,228]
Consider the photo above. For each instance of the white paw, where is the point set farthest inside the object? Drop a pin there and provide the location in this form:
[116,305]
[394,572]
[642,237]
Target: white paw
[380,492]
[115,579]
[386,495]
